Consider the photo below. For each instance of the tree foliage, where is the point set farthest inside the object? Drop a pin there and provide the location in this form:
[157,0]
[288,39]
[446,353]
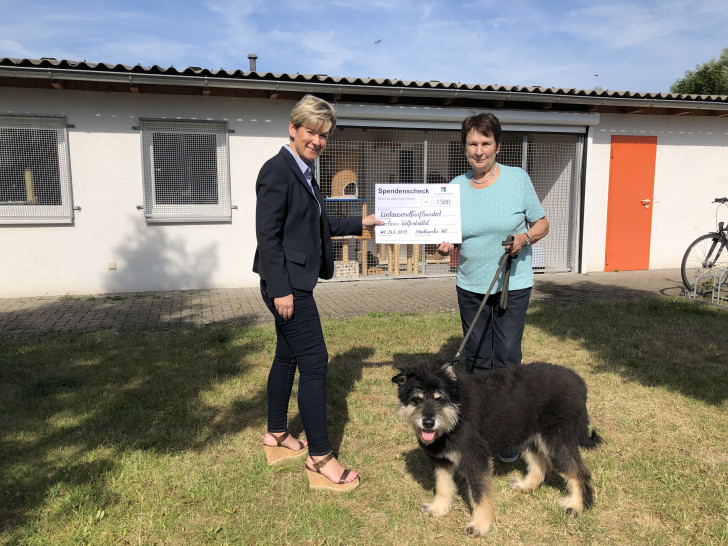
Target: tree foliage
[710,78]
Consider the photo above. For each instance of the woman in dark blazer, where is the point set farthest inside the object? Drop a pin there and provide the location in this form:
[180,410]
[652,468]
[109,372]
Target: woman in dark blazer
[294,249]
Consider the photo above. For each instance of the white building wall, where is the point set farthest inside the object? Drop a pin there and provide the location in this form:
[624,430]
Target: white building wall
[106,181]
[691,170]
[106,178]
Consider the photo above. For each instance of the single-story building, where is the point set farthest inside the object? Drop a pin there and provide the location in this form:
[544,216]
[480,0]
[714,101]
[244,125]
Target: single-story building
[118,178]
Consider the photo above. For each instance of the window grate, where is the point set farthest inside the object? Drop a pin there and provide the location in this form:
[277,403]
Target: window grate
[35,185]
[186,171]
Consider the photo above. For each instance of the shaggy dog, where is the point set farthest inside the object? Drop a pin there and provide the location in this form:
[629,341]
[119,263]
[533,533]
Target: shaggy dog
[463,420]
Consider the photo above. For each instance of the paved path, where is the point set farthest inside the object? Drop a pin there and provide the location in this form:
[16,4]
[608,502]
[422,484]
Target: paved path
[41,315]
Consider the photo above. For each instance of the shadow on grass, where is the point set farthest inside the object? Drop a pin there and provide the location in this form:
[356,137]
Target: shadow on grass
[73,405]
[659,342]
[345,369]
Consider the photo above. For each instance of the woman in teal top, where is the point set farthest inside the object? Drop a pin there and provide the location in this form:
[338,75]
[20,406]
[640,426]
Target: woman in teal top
[496,201]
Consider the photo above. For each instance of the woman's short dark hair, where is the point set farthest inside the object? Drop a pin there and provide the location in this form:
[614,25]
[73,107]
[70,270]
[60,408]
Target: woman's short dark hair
[486,124]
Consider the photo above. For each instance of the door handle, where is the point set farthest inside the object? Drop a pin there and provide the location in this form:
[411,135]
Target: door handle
[646,203]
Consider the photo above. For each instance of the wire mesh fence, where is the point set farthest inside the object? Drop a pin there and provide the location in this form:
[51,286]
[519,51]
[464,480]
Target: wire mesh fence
[358,158]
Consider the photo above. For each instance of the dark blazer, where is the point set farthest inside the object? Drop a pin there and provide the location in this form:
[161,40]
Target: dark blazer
[294,239]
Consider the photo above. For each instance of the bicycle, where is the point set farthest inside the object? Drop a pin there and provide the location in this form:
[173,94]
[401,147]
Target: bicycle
[705,256]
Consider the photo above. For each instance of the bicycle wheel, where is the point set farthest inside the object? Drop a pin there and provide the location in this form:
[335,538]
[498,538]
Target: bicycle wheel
[699,259]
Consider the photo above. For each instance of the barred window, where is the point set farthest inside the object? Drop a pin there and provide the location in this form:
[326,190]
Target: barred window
[35,182]
[186,171]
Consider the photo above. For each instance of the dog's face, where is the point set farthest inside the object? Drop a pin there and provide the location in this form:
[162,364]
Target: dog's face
[429,399]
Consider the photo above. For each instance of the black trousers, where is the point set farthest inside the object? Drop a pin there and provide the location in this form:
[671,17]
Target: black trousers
[495,341]
[300,345]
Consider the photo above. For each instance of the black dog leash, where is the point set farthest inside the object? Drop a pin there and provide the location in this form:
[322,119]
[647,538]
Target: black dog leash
[505,262]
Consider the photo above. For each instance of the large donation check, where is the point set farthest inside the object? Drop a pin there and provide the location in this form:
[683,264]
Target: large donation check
[417,213]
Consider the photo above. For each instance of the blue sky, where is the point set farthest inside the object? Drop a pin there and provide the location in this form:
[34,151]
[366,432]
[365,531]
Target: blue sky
[639,46]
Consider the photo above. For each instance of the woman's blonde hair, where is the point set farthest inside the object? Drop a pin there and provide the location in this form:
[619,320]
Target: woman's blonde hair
[315,112]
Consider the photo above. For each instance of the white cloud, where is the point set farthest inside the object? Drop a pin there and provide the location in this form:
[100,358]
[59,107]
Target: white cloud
[10,48]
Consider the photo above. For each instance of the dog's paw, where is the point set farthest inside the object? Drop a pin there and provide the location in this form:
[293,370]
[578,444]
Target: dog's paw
[475,531]
[571,507]
[435,509]
[521,486]
[517,485]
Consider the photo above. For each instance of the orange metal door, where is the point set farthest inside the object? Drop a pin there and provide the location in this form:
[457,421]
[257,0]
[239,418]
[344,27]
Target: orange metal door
[629,211]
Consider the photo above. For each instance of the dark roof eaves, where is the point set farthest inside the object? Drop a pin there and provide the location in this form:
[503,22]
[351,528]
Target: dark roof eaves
[384,85]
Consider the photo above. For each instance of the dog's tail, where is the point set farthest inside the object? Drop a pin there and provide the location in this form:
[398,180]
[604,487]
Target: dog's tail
[592,441]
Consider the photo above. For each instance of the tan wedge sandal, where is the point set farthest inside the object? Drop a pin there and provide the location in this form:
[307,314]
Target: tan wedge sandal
[316,480]
[276,454]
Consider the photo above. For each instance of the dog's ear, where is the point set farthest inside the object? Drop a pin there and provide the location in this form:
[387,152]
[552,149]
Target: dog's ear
[400,378]
[449,370]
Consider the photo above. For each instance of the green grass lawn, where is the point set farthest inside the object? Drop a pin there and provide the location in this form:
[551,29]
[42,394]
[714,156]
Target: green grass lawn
[156,437]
